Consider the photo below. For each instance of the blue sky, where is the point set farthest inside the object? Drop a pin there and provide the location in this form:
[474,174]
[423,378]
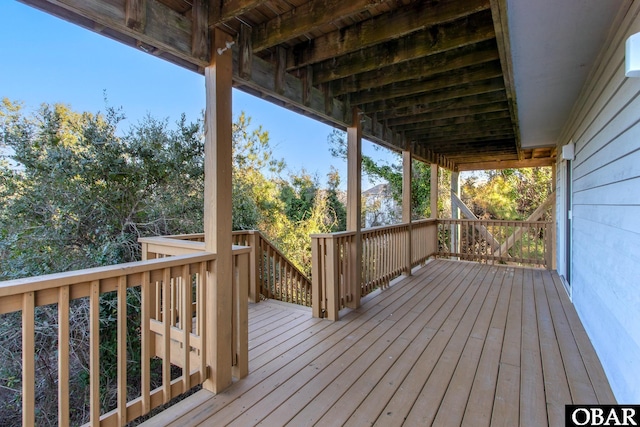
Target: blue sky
[47,60]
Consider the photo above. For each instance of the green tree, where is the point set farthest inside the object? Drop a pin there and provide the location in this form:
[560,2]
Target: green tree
[391,172]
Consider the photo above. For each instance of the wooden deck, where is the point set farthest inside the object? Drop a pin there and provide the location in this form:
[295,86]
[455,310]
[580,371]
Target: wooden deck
[458,343]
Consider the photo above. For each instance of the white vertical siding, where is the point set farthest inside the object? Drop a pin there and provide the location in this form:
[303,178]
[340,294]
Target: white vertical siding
[605,126]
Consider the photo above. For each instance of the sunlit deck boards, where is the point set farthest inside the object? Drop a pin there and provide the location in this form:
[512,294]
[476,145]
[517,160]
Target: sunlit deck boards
[456,344]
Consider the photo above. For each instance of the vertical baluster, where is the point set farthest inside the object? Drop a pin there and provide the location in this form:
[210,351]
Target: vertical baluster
[28,359]
[122,350]
[186,321]
[166,335]
[201,318]
[63,356]
[94,353]
[145,338]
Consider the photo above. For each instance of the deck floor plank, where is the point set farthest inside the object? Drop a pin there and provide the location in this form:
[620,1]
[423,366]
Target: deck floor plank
[457,343]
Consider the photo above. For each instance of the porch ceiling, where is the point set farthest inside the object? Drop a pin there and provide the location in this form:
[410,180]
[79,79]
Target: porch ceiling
[434,76]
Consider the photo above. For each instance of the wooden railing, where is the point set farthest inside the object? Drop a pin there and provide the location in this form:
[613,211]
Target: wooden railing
[272,275]
[387,252]
[520,242]
[171,296]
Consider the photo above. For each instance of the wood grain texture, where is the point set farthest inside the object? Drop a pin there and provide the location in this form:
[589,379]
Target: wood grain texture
[457,343]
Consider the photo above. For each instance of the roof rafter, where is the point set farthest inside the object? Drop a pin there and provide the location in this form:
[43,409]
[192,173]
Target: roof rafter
[473,29]
[380,29]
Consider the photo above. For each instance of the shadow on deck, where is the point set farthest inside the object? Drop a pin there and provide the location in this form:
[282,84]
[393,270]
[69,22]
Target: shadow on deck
[458,343]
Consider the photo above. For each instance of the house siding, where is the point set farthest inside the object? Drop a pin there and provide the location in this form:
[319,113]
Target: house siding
[605,274]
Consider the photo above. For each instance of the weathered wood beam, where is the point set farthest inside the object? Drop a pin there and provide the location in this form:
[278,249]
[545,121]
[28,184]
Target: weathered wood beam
[308,100]
[226,10]
[457,126]
[448,114]
[506,164]
[475,29]
[245,52]
[165,29]
[429,156]
[200,29]
[354,207]
[426,107]
[500,20]
[135,14]
[382,28]
[453,79]
[465,136]
[419,69]
[451,93]
[305,19]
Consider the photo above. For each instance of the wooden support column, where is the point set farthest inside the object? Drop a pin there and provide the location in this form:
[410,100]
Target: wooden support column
[553,265]
[354,205]
[217,213]
[406,206]
[455,212]
[434,190]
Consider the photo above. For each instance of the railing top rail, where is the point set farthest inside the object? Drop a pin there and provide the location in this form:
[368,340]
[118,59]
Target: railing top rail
[280,254]
[493,221]
[375,229]
[172,242]
[56,280]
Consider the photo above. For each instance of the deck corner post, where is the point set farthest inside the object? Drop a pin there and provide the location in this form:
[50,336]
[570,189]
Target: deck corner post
[217,212]
[317,269]
[354,207]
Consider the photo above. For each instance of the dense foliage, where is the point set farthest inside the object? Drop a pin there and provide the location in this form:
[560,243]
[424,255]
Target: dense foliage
[76,193]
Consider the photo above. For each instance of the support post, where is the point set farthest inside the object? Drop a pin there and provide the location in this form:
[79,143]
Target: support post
[434,190]
[406,207]
[354,205]
[217,212]
[553,266]
[455,212]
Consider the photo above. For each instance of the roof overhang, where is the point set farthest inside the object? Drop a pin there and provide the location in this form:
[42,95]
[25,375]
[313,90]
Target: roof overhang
[466,84]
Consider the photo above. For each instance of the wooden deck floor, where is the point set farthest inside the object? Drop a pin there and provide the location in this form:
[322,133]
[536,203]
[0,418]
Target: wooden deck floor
[456,344]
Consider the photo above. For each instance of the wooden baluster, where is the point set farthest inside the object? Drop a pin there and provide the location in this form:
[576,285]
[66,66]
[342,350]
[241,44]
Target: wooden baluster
[122,350]
[63,356]
[146,288]
[201,318]
[28,359]
[94,353]
[166,323]
[240,368]
[186,321]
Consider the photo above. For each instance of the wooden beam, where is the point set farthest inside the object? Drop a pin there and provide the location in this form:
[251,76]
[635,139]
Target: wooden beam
[245,52]
[382,28]
[448,94]
[230,9]
[217,211]
[500,21]
[470,119]
[424,106]
[506,164]
[200,29]
[136,14]
[419,69]
[281,59]
[441,81]
[475,29]
[492,123]
[164,29]
[354,205]
[449,114]
[305,19]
